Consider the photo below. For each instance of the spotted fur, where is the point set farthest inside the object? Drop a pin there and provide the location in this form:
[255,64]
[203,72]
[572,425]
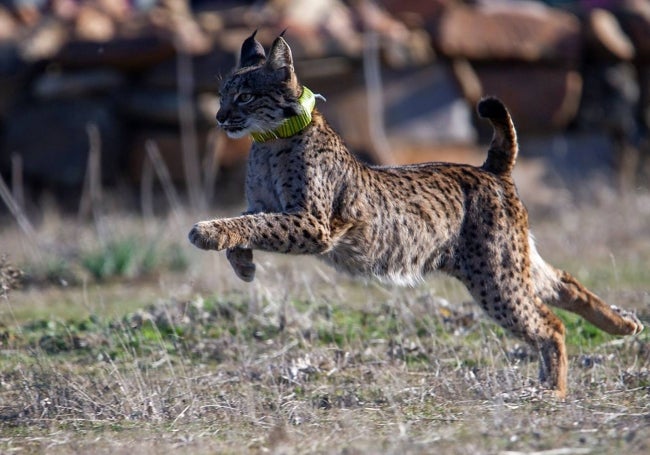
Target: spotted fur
[308,195]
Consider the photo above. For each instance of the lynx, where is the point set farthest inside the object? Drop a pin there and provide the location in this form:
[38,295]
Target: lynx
[307,194]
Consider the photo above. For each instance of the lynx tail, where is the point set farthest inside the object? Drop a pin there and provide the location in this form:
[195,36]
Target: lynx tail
[503,149]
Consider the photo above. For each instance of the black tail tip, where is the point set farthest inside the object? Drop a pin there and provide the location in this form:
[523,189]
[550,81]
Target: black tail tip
[492,107]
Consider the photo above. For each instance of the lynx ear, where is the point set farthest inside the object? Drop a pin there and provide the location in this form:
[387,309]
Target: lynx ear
[280,55]
[252,52]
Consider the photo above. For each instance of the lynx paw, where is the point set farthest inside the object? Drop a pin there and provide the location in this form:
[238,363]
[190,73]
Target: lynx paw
[633,324]
[211,235]
[241,260]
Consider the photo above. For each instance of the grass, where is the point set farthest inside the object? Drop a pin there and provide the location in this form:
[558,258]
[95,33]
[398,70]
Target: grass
[133,356]
[120,258]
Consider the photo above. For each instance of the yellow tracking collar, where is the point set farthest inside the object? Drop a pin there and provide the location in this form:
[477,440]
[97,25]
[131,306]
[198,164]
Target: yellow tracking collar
[292,125]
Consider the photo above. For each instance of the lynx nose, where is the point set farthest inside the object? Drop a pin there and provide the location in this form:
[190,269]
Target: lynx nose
[221,116]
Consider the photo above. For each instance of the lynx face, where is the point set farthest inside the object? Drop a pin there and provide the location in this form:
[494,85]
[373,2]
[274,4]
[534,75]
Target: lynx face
[259,95]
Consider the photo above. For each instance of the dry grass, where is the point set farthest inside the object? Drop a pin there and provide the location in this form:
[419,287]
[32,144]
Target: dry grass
[304,360]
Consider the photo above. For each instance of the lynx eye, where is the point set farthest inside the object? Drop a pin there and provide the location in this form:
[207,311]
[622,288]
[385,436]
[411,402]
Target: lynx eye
[244,98]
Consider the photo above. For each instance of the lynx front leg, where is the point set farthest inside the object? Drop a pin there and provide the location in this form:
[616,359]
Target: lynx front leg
[241,260]
[295,233]
[217,234]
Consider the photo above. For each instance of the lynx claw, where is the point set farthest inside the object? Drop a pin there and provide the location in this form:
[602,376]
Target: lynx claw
[241,260]
[245,272]
[635,325]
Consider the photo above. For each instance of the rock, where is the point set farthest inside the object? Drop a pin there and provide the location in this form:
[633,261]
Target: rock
[211,67]
[320,28]
[8,26]
[604,36]
[421,106]
[65,9]
[207,70]
[77,83]
[13,76]
[417,10]
[401,45]
[425,106]
[153,106]
[210,21]
[540,99]
[634,17]
[162,107]
[92,24]
[118,10]
[128,54]
[44,41]
[178,21]
[53,141]
[610,100]
[27,12]
[573,158]
[644,100]
[189,37]
[521,31]
[341,83]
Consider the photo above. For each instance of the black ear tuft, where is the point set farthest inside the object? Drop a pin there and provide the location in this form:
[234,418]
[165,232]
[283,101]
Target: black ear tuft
[252,52]
[280,55]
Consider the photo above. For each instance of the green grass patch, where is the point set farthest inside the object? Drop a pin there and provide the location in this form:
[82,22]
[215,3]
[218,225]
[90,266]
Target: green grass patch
[131,257]
[580,333]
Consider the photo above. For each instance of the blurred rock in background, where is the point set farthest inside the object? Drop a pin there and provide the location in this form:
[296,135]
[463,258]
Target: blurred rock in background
[575,74]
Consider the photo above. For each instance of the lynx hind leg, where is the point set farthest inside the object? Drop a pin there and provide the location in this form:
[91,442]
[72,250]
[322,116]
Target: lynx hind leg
[549,340]
[241,260]
[574,297]
[512,303]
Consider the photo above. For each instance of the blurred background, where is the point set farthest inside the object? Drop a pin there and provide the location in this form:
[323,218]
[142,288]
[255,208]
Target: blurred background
[113,101]
[115,332]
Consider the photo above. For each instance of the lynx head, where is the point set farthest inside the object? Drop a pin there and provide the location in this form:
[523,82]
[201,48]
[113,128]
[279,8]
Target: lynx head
[261,92]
